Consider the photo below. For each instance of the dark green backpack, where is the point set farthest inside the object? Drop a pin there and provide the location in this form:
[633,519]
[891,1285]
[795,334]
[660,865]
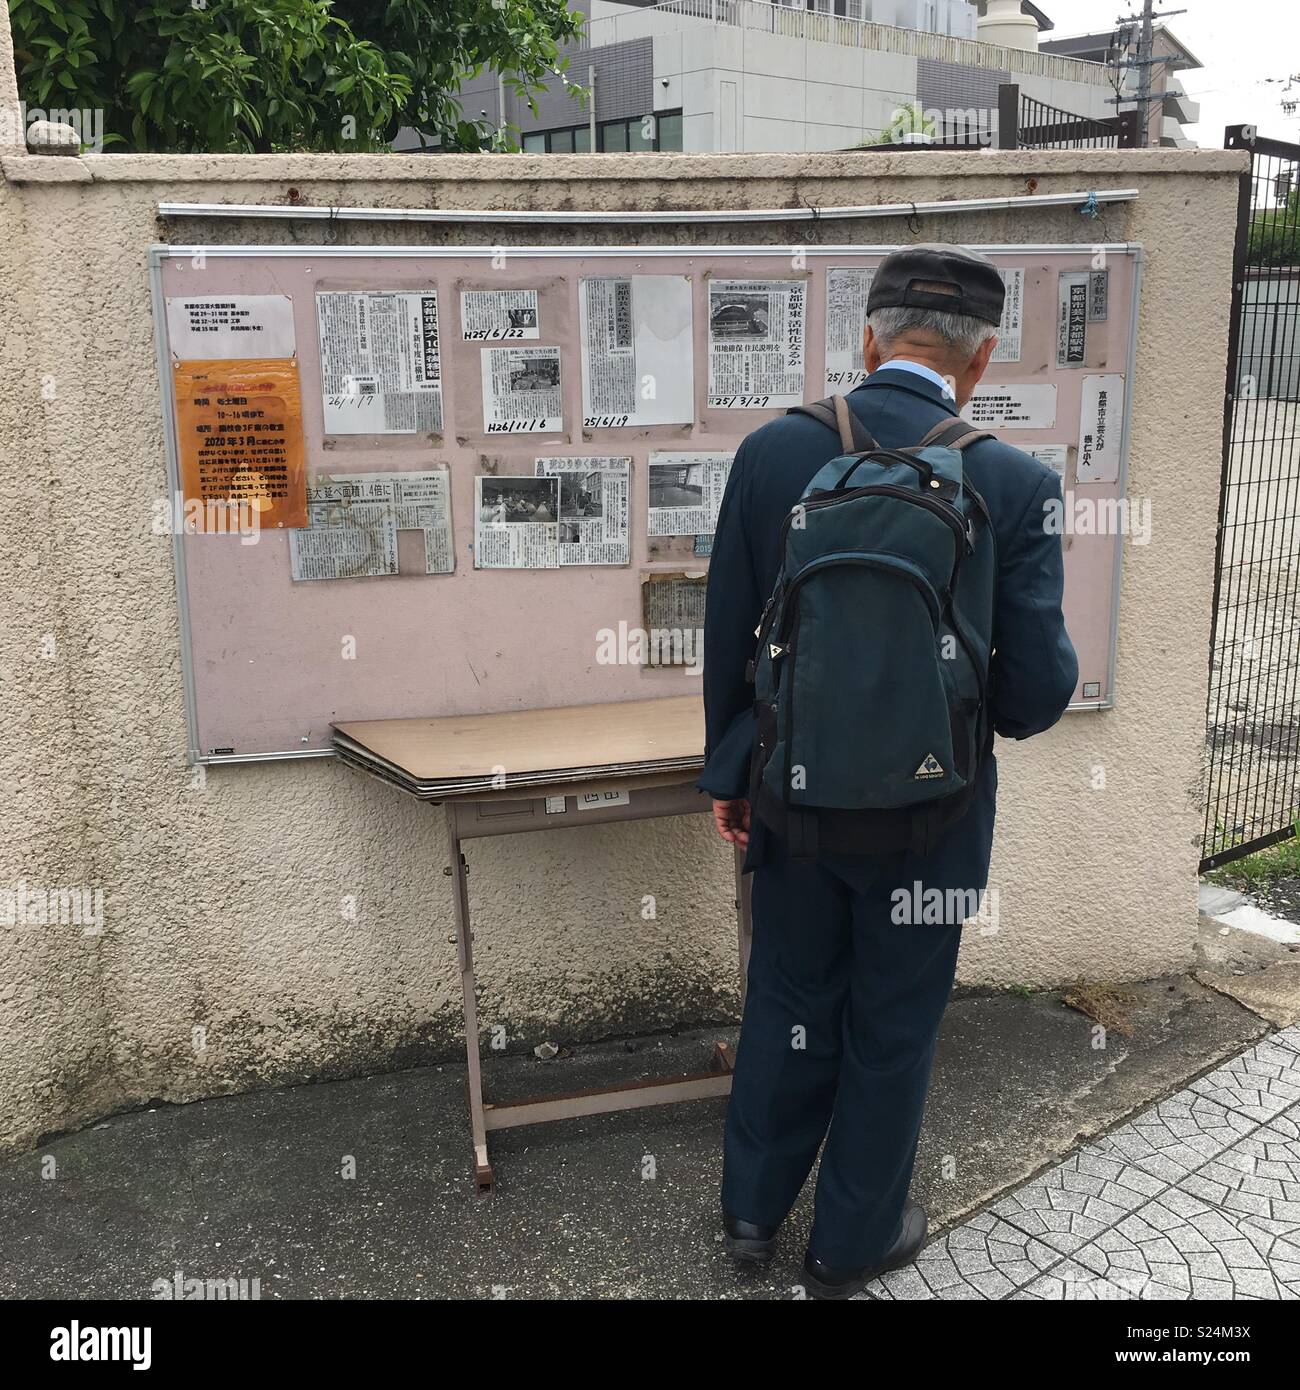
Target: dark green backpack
[872,669]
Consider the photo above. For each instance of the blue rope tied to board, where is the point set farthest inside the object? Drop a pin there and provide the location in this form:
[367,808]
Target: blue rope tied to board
[1090,208]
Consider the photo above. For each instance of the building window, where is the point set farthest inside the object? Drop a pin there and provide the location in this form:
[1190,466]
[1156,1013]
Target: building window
[661,132]
[669,132]
[613,136]
[664,132]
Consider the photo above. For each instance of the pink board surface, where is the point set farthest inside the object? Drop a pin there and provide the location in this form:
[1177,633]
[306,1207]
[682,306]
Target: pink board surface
[272,663]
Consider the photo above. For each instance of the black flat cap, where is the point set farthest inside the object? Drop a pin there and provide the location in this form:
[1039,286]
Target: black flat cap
[949,278]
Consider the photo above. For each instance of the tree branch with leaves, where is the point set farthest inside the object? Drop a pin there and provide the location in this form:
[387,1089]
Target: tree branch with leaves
[268,75]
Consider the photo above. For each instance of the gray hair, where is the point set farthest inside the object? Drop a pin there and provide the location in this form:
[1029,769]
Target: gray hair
[960,332]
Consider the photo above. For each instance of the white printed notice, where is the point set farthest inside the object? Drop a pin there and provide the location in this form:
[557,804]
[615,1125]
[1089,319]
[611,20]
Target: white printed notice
[491,315]
[638,364]
[381,370]
[521,390]
[1072,318]
[686,492]
[230,326]
[515,523]
[846,318]
[594,511]
[756,343]
[1031,407]
[370,506]
[1013,315]
[1101,429]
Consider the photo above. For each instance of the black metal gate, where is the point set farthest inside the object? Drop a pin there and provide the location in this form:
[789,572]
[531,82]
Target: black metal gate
[1253,717]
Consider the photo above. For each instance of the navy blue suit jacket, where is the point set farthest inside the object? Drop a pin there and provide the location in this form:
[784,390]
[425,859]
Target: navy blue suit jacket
[1034,665]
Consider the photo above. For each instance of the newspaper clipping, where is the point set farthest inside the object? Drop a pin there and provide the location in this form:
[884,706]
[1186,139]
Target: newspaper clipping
[1072,318]
[1101,428]
[521,390]
[491,315]
[381,372]
[672,617]
[847,288]
[637,351]
[686,492]
[354,519]
[594,527]
[516,524]
[756,343]
[1013,309]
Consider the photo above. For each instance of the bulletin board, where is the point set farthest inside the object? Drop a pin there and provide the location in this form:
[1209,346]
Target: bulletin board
[485,479]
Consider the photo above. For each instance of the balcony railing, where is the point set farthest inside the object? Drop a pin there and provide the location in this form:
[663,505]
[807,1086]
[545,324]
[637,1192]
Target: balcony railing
[762,16]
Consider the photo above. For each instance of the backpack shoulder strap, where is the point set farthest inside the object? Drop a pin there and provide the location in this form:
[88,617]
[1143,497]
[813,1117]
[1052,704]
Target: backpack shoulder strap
[953,434]
[835,413]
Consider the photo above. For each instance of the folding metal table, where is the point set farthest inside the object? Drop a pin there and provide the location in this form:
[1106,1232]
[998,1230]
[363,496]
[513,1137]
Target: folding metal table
[474,817]
[548,801]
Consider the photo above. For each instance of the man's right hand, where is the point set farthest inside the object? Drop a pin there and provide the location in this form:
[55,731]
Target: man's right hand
[732,820]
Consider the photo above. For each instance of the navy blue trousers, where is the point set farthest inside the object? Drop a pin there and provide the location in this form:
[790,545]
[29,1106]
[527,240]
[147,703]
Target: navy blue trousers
[840,1022]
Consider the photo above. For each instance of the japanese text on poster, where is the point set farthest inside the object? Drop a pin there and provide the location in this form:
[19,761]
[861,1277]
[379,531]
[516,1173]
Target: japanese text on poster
[756,343]
[381,368]
[594,524]
[686,492]
[637,351]
[522,393]
[847,288]
[489,315]
[230,327]
[239,433]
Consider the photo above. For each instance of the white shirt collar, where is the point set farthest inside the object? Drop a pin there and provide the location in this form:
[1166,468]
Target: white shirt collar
[928,373]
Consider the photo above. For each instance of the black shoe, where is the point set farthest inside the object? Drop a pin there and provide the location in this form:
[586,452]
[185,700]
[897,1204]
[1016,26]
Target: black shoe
[748,1242]
[823,1282]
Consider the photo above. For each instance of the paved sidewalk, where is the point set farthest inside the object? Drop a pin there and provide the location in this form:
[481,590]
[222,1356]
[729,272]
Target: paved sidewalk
[1196,1198]
[361,1188]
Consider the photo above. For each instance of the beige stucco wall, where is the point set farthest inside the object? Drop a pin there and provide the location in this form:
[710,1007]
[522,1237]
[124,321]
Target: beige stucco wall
[223,901]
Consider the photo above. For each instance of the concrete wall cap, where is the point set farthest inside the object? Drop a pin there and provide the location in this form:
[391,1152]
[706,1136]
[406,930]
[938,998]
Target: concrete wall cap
[441,171]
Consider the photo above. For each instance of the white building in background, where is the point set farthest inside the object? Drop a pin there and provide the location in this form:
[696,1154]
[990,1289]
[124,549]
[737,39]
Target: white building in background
[756,75]
[1173,108]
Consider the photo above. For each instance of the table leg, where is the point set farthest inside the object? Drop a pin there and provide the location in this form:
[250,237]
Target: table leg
[744,924]
[459,872]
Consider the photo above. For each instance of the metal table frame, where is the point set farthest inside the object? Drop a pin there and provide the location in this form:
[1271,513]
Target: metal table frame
[470,818]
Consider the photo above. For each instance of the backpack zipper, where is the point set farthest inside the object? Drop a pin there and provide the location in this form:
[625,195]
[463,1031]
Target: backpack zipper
[944,510]
[893,565]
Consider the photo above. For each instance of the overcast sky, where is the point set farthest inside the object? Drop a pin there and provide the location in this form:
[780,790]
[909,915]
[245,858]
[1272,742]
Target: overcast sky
[1240,42]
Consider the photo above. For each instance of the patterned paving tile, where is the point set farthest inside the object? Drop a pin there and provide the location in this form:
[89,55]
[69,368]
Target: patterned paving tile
[1197,1198]
[1259,1084]
[1071,1282]
[1259,1175]
[984,1258]
[1177,1136]
[1076,1201]
[1181,1247]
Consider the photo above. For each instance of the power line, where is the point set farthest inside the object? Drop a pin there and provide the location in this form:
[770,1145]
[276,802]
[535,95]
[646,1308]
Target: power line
[1143,62]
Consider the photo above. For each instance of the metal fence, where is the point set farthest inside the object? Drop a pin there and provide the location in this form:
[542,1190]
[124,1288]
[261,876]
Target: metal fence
[1025,123]
[1253,715]
[1019,122]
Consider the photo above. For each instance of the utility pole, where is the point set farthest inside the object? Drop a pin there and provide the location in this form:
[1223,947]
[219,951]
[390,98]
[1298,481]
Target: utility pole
[1144,73]
[1144,62]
